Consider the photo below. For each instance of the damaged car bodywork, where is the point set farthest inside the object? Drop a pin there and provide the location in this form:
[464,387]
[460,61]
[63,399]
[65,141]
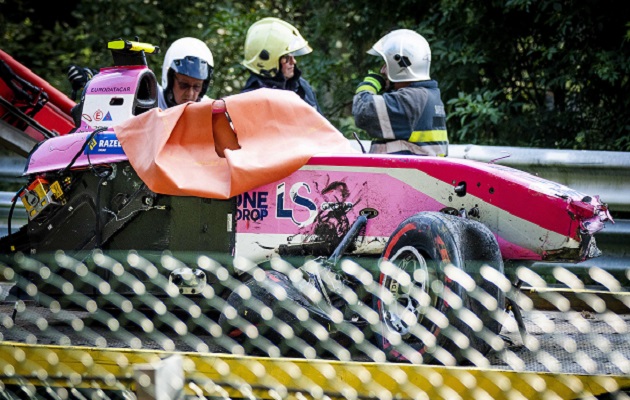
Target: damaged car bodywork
[262,175]
[532,218]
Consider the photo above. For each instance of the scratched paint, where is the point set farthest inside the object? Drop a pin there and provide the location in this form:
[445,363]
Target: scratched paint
[328,200]
[528,215]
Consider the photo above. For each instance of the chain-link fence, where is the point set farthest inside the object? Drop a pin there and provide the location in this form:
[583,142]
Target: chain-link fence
[128,324]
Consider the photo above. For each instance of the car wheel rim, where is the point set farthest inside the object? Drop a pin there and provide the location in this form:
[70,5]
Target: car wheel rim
[406,290]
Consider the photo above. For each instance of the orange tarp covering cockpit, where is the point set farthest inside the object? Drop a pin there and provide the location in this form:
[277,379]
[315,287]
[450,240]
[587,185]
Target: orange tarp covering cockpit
[190,151]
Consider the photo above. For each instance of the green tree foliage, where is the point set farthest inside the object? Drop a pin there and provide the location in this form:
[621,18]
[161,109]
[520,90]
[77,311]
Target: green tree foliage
[539,73]
[547,73]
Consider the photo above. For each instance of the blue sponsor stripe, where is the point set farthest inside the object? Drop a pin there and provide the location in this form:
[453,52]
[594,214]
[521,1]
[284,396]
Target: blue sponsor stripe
[104,143]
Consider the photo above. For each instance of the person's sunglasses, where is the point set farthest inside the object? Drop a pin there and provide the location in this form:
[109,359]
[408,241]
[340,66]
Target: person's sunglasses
[187,86]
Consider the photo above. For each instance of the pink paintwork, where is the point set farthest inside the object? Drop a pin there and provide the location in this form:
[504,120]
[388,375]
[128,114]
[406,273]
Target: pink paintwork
[115,80]
[57,153]
[532,218]
[100,110]
[110,97]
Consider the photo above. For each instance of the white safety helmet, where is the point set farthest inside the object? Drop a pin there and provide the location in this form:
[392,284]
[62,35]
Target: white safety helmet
[407,55]
[269,39]
[187,56]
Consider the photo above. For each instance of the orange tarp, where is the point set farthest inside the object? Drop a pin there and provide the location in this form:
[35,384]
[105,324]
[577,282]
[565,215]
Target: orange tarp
[176,151]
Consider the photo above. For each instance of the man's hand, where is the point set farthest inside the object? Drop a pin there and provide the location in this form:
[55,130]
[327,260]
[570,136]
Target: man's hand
[78,77]
[373,83]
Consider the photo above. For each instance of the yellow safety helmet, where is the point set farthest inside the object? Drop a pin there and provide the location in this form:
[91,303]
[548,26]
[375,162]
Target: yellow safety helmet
[269,39]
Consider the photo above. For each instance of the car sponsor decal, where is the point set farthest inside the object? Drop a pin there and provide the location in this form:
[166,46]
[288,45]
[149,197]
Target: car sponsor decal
[286,207]
[104,143]
[252,206]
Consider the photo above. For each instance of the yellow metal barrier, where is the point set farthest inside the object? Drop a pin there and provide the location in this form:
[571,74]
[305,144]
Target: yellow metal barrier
[219,375]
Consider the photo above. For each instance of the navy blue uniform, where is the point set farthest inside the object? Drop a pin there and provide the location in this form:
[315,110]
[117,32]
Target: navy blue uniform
[408,120]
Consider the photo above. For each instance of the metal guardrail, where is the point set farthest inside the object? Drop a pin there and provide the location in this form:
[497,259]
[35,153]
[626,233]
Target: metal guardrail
[603,173]
[11,169]
[19,217]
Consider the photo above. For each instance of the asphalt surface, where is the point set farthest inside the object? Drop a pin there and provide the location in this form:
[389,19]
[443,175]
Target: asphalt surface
[559,342]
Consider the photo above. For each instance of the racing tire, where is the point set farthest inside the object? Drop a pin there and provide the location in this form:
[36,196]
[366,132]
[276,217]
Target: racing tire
[424,322]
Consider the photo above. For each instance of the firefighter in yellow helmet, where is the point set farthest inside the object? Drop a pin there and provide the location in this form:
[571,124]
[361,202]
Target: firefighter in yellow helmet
[271,46]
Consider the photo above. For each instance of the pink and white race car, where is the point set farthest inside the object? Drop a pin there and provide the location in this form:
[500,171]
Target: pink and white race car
[422,242]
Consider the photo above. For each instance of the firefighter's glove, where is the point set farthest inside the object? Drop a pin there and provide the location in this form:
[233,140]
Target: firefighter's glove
[79,76]
[373,83]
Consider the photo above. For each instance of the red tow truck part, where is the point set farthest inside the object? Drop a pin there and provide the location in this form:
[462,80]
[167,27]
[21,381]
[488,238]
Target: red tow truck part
[31,109]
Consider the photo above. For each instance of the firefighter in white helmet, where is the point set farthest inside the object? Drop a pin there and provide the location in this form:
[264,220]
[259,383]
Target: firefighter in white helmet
[401,107]
[186,72]
[271,46]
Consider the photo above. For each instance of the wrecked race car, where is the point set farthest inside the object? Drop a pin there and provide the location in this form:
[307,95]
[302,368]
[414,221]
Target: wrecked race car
[409,251]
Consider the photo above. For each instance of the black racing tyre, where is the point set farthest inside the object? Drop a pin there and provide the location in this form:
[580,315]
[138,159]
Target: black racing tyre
[424,321]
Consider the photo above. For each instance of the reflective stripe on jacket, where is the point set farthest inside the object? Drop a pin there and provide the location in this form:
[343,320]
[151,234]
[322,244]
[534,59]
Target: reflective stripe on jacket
[414,114]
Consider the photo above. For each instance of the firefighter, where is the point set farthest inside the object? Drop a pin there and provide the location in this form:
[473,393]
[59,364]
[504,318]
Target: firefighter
[401,106]
[271,48]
